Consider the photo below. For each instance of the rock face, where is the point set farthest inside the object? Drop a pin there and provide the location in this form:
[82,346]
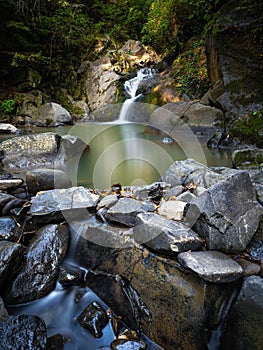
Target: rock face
[227,214]
[244,328]
[234,50]
[40,269]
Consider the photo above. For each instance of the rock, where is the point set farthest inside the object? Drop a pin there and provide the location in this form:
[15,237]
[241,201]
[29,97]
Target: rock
[153,191]
[112,236]
[135,54]
[124,344]
[248,267]
[70,275]
[125,211]
[3,312]
[71,147]
[9,229]
[186,171]
[30,151]
[233,48]
[227,214]
[41,267]
[25,78]
[108,201]
[165,236]
[174,192]
[200,115]
[58,204]
[247,158]
[6,128]
[46,179]
[94,318]
[23,332]
[212,266]
[11,260]
[244,326]
[28,105]
[56,342]
[100,85]
[173,308]
[51,114]
[172,209]
[186,197]
[7,184]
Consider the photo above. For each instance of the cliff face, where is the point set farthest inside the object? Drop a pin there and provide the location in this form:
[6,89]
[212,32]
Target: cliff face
[234,48]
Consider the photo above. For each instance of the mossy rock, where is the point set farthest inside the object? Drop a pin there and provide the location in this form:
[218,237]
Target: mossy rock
[247,158]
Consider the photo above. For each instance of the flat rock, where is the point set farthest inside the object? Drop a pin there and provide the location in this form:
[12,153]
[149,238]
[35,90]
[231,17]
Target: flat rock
[212,266]
[7,128]
[165,236]
[108,201]
[10,184]
[58,203]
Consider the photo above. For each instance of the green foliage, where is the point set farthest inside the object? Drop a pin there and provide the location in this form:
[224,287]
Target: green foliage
[8,106]
[249,128]
[190,71]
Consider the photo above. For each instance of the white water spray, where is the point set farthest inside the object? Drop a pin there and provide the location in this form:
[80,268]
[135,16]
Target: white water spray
[131,87]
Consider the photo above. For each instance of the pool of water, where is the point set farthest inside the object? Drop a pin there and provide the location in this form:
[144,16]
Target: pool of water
[124,153]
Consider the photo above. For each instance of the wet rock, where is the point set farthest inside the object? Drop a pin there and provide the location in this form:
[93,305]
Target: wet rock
[244,327]
[6,128]
[247,158]
[3,312]
[46,179]
[23,332]
[11,259]
[165,236]
[227,214]
[30,151]
[56,342]
[70,275]
[41,267]
[9,229]
[172,209]
[58,204]
[125,211]
[211,266]
[174,308]
[186,171]
[51,114]
[124,344]
[94,318]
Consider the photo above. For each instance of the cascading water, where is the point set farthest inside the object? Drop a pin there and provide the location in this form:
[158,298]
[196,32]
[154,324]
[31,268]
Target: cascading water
[131,87]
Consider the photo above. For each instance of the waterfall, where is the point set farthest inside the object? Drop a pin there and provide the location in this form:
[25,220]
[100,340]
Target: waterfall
[131,86]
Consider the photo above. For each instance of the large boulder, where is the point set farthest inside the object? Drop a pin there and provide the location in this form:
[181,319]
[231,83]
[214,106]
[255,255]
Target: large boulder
[227,214]
[51,114]
[171,307]
[234,51]
[41,266]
